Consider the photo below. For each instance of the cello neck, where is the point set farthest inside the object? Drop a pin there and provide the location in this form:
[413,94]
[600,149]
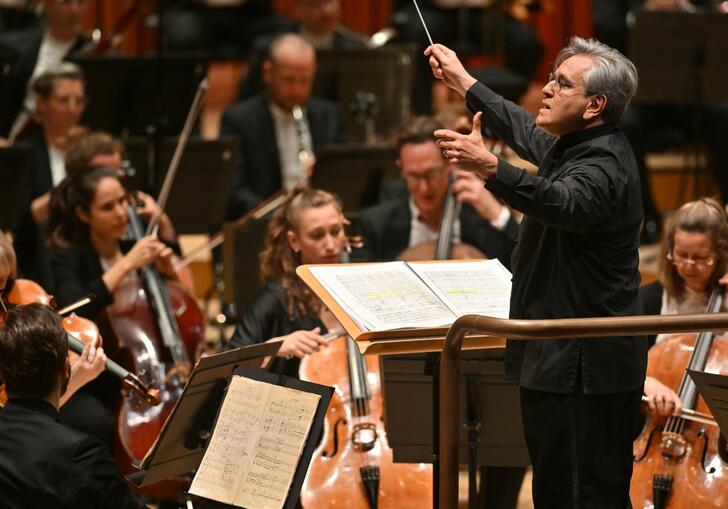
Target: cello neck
[358,384]
[688,392]
[447,224]
[159,300]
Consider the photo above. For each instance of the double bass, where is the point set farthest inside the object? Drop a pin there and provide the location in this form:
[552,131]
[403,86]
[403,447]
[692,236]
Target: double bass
[681,462]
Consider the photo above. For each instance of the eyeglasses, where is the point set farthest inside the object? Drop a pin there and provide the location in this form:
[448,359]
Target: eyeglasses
[698,261]
[560,83]
[426,177]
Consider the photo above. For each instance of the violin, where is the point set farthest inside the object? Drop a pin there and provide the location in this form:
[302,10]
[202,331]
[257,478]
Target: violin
[353,466]
[80,332]
[680,461]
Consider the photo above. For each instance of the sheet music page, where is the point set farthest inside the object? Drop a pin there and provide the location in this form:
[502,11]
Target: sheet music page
[286,423]
[384,296]
[481,287]
[254,450]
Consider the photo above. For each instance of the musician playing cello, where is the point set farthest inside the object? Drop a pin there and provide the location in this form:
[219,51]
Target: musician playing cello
[576,257]
[391,227]
[308,228]
[44,463]
[694,258]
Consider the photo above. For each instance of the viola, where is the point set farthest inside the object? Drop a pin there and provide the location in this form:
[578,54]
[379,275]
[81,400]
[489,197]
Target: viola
[80,333]
[680,461]
[353,466]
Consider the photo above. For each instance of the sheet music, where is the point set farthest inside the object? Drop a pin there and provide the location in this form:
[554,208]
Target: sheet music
[384,296]
[481,287]
[254,450]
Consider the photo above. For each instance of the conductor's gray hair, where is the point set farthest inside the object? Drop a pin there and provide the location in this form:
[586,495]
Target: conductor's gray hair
[612,75]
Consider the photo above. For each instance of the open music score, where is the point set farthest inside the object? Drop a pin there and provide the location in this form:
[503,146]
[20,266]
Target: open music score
[409,299]
[256,444]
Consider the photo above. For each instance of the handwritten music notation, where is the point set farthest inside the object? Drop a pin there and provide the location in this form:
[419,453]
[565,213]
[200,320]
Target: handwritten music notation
[256,444]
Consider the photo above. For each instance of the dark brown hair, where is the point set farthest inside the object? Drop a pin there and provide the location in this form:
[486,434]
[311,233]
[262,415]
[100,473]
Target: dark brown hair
[420,130]
[75,191]
[33,350]
[277,259]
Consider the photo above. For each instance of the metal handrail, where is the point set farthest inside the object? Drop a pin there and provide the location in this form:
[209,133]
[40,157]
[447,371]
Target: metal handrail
[534,330]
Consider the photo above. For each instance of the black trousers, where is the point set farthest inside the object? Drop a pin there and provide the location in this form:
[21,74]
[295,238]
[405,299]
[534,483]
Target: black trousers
[580,447]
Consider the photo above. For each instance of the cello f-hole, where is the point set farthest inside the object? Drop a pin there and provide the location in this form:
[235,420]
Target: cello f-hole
[652,434]
[704,454]
[333,453]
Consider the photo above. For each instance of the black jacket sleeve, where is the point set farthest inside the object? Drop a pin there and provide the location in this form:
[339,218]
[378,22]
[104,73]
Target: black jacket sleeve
[78,274]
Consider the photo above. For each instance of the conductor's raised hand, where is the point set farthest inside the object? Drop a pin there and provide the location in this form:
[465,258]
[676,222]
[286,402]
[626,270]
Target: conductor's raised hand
[468,151]
[447,67]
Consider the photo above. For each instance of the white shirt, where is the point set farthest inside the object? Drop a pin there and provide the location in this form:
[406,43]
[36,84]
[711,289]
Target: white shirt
[58,164]
[292,171]
[692,303]
[420,232]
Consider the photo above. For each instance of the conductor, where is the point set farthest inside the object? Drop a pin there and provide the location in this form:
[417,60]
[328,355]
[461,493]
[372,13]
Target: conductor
[576,257]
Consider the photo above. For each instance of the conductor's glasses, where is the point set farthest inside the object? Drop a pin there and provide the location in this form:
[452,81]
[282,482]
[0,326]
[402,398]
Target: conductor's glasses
[560,83]
[698,261]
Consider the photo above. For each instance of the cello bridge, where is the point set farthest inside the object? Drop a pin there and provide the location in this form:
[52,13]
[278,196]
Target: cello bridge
[364,436]
[673,445]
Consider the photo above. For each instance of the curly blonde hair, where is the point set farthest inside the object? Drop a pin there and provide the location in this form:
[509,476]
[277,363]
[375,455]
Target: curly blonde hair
[279,261]
[706,216]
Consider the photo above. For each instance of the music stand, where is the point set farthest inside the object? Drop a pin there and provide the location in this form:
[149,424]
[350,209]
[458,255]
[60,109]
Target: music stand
[16,166]
[407,393]
[199,194]
[181,442]
[241,267]
[355,172]
[143,96]
[681,61]
[381,74]
[714,390]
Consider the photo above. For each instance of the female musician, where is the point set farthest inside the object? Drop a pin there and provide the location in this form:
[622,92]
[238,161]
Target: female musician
[92,360]
[87,225]
[308,228]
[694,257]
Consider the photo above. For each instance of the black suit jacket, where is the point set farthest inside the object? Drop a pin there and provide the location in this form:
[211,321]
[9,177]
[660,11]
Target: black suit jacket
[24,45]
[253,81]
[386,231]
[258,171]
[46,464]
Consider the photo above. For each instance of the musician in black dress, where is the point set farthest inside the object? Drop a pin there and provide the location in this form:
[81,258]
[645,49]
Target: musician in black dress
[309,228]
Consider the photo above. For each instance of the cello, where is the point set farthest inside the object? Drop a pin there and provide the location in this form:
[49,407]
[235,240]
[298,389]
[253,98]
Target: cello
[353,466]
[156,328]
[680,462]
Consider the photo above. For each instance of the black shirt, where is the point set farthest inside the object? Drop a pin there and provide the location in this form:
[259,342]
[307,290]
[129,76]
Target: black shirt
[46,464]
[576,254]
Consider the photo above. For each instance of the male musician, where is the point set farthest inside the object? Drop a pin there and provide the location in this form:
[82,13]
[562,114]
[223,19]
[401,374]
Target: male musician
[60,100]
[317,21]
[36,49]
[391,227]
[270,139]
[43,463]
[576,257]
